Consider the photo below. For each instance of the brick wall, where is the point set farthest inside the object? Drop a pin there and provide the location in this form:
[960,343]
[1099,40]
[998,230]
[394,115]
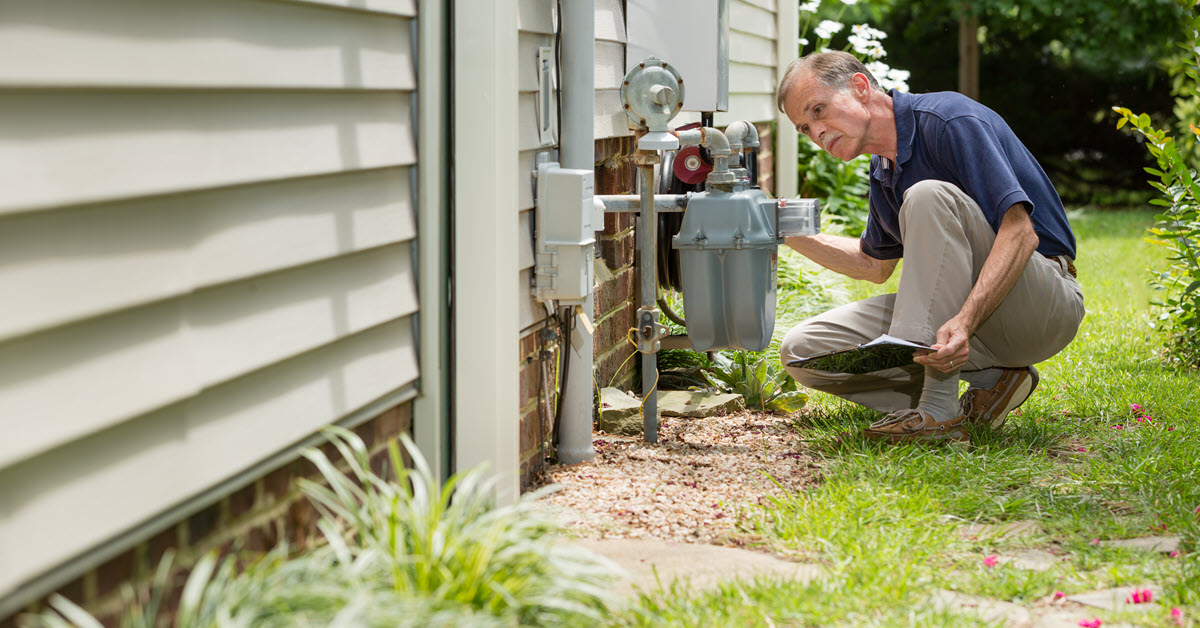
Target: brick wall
[247,522]
[615,303]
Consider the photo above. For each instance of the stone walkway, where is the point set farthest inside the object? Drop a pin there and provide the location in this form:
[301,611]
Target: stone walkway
[649,564]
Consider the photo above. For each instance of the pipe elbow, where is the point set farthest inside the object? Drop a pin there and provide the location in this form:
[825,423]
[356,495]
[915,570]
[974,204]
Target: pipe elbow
[736,134]
[715,141]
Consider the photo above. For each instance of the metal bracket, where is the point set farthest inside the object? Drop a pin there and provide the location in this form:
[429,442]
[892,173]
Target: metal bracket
[649,330]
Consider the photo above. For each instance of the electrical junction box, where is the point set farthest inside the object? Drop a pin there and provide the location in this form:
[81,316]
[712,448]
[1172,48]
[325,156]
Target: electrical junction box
[565,239]
[692,36]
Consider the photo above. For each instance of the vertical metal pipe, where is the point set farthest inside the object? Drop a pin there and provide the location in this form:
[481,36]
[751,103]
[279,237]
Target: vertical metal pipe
[648,239]
[577,151]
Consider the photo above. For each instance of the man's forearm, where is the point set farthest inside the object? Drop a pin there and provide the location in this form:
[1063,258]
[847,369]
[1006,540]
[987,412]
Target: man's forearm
[842,255]
[1014,245]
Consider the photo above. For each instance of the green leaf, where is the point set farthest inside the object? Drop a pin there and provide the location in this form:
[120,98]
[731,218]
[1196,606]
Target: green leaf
[789,402]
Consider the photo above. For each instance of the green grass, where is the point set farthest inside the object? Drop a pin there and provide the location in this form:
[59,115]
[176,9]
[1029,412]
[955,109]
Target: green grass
[885,520]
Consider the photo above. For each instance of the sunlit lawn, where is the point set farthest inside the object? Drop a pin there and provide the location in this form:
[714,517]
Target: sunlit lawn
[1077,460]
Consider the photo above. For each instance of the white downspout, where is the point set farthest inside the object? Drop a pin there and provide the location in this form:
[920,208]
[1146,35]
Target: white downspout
[577,151]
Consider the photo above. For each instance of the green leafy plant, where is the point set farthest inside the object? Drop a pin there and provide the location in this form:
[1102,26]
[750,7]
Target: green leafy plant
[1178,226]
[409,552]
[759,378]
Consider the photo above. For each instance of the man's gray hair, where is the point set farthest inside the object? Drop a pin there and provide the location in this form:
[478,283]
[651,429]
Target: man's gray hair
[831,68]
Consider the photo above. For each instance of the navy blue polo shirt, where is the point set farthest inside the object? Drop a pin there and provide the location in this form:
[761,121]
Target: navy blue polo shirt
[949,137]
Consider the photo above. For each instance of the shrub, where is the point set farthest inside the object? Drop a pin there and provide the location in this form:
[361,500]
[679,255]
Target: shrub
[1178,226]
[406,553]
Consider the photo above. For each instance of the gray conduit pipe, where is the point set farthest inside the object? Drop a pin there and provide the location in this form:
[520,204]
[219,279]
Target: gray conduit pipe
[577,150]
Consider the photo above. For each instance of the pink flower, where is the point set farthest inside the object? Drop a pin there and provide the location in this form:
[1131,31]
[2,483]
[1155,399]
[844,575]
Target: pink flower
[1058,595]
[1095,541]
[1135,407]
[1090,623]
[1171,429]
[1118,427]
[1174,554]
[989,561]
[1140,596]
[1177,615]
[1080,449]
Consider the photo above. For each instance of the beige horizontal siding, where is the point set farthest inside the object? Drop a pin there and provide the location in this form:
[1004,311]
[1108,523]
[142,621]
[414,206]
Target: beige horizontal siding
[65,265]
[535,16]
[752,20]
[129,473]
[750,50]
[397,7]
[128,43]
[119,366]
[207,238]
[88,147]
[610,21]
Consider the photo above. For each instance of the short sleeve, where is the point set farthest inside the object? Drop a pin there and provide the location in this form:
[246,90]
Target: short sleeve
[875,241]
[971,151]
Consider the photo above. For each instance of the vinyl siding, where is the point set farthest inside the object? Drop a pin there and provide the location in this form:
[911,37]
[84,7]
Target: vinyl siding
[206,245]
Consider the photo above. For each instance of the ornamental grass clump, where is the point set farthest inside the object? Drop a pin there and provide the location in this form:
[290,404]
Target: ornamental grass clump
[409,552]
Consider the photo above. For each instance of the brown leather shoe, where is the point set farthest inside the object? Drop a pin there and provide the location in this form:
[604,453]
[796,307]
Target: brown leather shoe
[915,426]
[992,405]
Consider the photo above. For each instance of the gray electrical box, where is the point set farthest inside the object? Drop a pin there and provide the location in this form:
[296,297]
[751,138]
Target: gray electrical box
[729,254]
[692,36]
[565,236]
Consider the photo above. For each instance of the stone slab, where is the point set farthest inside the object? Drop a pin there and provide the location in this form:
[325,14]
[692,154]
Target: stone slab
[648,562]
[1163,544]
[620,412]
[1114,599]
[994,611]
[1001,531]
[697,404]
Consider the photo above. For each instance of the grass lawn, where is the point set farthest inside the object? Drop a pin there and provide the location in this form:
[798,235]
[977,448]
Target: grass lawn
[1107,448]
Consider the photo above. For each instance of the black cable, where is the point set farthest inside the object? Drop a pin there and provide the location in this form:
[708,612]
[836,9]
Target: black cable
[567,325]
[558,70]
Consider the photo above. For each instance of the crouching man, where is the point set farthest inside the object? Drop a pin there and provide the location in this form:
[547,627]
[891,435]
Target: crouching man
[988,278]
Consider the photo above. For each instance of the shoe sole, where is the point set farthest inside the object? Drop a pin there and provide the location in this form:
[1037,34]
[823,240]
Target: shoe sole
[1023,395]
[957,435]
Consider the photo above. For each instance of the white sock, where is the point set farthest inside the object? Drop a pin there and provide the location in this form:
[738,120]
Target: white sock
[985,379]
[939,397]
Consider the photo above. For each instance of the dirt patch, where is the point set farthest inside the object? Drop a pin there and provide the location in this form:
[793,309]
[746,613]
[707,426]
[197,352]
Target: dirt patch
[696,485]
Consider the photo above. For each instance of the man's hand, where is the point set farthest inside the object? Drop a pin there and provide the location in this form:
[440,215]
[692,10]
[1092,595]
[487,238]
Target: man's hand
[952,348]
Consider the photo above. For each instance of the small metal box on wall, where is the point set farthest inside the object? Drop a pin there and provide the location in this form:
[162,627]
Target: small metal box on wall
[691,35]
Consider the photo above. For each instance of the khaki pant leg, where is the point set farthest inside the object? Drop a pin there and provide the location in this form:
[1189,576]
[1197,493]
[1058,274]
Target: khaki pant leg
[847,326]
[946,242]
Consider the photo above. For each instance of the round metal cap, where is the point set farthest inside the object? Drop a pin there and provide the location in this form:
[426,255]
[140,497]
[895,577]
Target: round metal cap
[652,94]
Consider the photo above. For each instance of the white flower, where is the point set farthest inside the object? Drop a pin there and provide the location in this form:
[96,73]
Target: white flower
[810,7]
[866,32]
[803,41]
[827,28]
[849,1]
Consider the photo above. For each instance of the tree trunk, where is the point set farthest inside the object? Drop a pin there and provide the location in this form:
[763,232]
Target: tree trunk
[968,53]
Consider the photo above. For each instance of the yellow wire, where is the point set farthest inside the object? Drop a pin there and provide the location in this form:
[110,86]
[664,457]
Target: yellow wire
[657,373]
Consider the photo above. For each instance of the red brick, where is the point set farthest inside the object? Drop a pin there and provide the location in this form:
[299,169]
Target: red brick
[609,369]
[202,524]
[115,571]
[158,545]
[277,483]
[366,432]
[615,328]
[243,500]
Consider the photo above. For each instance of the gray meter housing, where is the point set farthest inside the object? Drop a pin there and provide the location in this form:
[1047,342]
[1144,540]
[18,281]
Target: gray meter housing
[729,252]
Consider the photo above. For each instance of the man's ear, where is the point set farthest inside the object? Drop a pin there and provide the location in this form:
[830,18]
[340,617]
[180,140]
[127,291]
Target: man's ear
[861,85]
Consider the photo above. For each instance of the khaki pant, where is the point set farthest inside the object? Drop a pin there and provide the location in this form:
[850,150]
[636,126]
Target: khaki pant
[946,241]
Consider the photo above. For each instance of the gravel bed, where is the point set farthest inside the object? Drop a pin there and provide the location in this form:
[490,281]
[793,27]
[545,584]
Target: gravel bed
[698,484]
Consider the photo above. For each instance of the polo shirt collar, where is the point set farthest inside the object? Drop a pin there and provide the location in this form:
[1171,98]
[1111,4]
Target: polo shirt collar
[906,128]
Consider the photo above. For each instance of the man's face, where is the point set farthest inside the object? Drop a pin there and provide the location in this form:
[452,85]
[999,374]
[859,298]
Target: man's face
[834,119]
